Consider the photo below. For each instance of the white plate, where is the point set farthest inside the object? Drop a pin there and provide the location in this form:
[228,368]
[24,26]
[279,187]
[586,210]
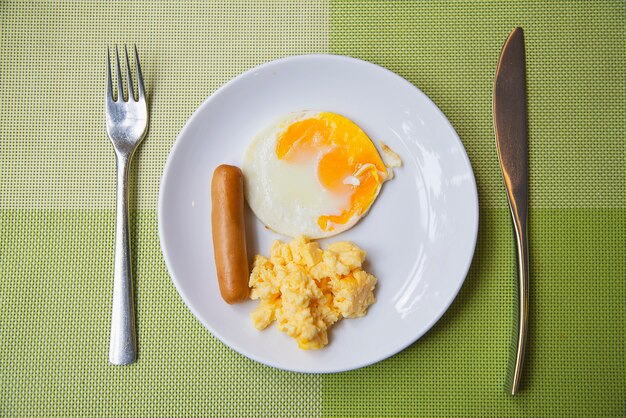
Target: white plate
[419,235]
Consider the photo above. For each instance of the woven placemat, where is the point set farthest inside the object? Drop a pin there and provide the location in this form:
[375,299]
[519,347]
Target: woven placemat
[57,197]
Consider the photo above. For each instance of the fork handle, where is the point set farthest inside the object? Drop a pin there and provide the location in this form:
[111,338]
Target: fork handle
[123,348]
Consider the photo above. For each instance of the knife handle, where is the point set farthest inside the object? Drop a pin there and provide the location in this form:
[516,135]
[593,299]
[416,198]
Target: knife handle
[520,318]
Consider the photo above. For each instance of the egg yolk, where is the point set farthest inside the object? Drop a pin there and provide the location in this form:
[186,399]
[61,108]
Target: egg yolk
[349,163]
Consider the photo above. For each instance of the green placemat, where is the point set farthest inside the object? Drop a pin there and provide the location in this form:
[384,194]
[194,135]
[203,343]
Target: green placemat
[57,200]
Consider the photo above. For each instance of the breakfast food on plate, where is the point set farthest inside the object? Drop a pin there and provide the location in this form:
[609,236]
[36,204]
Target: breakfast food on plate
[306,289]
[229,239]
[312,173]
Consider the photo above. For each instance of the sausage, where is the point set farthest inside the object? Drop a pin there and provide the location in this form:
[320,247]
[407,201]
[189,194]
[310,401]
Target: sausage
[229,235]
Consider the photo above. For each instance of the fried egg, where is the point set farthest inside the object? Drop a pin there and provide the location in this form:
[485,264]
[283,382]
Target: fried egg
[312,173]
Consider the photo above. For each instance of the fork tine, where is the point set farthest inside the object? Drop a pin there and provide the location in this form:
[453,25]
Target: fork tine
[109,87]
[142,91]
[131,90]
[120,88]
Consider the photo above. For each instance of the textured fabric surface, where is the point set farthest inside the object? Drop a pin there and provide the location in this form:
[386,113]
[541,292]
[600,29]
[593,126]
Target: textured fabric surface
[575,73]
[53,61]
[57,189]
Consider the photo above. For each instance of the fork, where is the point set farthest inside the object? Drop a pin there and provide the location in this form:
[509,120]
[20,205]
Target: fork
[126,124]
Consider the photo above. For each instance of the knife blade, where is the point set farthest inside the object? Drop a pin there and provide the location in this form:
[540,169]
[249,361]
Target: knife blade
[511,128]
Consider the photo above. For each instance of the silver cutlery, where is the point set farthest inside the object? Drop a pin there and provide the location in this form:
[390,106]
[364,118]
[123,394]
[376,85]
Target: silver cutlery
[510,120]
[126,125]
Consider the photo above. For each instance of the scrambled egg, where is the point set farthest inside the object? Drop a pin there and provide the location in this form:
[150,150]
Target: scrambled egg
[306,289]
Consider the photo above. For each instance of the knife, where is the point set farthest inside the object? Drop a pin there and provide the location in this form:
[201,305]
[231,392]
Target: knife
[509,117]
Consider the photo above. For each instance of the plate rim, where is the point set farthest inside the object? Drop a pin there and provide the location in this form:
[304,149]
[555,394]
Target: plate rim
[242,351]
